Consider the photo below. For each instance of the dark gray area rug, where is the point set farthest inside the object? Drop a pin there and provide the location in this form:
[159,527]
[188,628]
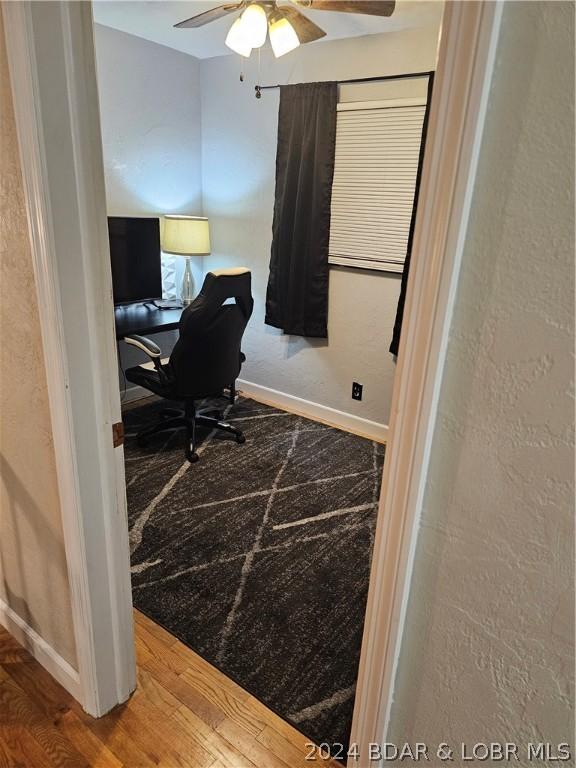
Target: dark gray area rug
[258,556]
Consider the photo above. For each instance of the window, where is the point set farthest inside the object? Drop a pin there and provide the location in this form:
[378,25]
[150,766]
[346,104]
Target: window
[377,153]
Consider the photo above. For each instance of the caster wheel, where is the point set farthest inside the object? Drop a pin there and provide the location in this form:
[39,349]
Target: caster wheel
[192,457]
[240,439]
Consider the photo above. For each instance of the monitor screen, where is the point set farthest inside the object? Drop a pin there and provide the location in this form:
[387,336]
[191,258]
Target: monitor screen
[135,256]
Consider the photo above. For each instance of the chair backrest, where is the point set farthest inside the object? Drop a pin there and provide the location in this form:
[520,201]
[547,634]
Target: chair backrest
[206,357]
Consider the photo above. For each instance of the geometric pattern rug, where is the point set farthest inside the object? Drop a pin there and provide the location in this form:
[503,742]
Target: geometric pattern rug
[258,556]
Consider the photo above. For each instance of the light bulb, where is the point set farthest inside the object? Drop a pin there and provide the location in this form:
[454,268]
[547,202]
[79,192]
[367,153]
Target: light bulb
[254,25]
[283,37]
[236,39]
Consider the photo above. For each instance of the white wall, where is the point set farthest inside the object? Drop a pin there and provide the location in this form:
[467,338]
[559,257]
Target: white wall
[238,165]
[182,135]
[151,135]
[489,642]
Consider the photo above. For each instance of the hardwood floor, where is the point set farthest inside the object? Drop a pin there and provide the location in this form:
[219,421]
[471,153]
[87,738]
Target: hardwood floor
[184,714]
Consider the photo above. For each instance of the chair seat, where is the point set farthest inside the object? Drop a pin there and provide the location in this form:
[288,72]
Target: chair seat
[149,379]
[146,375]
[151,367]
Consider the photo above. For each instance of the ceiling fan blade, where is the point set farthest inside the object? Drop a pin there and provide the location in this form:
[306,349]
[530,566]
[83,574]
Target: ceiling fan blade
[306,30]
[370,7]
[212,15]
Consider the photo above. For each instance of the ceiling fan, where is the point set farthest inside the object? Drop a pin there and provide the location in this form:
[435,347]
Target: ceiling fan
[287,26]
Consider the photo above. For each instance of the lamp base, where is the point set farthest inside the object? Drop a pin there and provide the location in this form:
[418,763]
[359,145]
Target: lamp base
[187,292]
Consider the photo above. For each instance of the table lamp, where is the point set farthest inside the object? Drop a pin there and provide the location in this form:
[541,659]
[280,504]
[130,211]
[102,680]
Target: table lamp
[186,236]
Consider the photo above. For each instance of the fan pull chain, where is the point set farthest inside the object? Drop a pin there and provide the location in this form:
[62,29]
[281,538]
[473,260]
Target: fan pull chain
[241,68]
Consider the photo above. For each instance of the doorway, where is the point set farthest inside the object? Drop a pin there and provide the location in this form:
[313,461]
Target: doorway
[405,361]
[269,564]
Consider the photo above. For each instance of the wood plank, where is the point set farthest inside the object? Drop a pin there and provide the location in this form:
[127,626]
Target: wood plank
[195,664]
[142,652]
[90,746]
[141,620]
[181,748]
[281,726]
[149,738]
[47,694]
[18,748]
[110,731]
[131,739]
[286,732]
[201,669]
[294,755]
[6,760]
[11,650]
[186,693]
[216,688]
[18,710]
[55,702]
[220,747]
[248,745]
[154,692]
[156,648]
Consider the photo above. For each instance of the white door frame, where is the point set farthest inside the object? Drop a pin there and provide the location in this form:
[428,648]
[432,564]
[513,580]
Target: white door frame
[53,78]
[92,484]
[461,85]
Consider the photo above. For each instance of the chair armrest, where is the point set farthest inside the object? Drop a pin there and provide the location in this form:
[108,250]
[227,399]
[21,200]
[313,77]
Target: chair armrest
[146,345]
[152,350]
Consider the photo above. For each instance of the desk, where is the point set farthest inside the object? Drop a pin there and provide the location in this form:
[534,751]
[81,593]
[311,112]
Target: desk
[142,319]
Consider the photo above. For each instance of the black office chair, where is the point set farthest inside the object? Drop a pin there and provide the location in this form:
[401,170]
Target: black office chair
[205,360]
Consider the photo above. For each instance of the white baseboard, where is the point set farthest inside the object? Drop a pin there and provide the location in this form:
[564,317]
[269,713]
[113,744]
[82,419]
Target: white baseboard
[331,416]
[58,667]
[347,421]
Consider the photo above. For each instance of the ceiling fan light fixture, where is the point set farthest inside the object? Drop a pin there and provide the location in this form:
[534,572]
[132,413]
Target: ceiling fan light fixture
[236,39]
[254,25]
[283,37]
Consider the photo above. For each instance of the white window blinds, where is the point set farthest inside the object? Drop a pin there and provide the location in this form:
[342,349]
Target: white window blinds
[377,151]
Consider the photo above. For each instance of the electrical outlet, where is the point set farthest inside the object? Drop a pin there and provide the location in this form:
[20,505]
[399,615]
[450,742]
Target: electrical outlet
[357,390]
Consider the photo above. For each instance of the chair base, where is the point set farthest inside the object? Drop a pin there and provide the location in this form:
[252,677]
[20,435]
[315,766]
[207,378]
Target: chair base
[188,419]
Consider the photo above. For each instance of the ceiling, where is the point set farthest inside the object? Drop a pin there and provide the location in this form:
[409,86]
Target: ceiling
[154,21]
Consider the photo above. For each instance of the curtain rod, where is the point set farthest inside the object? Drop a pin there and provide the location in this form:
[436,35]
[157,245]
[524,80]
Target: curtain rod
[404,76]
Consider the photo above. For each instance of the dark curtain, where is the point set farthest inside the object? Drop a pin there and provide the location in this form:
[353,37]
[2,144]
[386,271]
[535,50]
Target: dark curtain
[297,295]
[395,343]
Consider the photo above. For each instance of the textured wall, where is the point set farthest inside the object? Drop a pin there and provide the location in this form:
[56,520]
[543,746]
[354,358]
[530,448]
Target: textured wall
[33,575]
[151,135]
[154,155]
[238,164]
[489,640]
[150,115]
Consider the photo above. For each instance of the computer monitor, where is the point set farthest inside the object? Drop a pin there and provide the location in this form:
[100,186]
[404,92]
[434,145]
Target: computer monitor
[135,256]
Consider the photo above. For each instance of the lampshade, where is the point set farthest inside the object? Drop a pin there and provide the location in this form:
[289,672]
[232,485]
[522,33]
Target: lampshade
[249,31]
[283,37]
[186,235]
[236,39]
[254,25]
